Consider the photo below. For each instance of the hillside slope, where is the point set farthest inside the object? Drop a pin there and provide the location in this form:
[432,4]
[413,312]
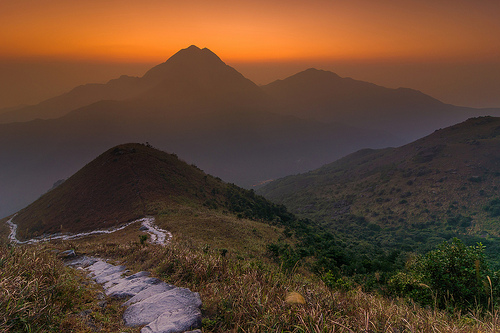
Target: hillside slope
[133,180]
[442,185]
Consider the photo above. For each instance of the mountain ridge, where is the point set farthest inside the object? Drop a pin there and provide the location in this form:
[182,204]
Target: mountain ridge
[188,72]
[450,174]
[209,114]
[327,97]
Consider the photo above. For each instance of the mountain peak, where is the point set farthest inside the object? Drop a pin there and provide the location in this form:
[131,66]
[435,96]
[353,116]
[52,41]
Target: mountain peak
[192,58]
[316,73]
[195,76]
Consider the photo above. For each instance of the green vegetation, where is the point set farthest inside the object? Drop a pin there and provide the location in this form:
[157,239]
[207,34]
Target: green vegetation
[454,276]
[375,210]
[493,208]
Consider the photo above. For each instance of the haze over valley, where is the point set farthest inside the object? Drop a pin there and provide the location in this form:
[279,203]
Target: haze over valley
[210,115]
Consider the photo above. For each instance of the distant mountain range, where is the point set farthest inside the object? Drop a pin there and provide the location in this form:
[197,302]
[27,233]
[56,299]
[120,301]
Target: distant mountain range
[325,96]
[209,114]
[445,183]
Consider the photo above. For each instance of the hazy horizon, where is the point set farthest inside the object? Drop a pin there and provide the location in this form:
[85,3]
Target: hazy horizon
[447,49]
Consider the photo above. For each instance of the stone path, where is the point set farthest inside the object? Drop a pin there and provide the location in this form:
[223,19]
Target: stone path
[156,305]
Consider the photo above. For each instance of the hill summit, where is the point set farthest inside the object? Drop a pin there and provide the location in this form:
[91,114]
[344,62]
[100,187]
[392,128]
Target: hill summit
[124,183]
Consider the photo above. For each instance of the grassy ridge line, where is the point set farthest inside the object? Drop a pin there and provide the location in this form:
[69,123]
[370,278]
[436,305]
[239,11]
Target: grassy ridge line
[440,181]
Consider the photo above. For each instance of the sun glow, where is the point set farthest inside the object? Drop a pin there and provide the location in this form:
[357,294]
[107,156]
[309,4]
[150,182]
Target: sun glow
[248,31]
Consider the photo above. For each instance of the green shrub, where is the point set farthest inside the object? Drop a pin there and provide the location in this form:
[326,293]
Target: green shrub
[493,208]
[143,239]
[454,275]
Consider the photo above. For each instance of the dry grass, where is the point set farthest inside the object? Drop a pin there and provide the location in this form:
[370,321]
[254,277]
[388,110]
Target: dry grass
[39,294]
[239,293]
[218,230]
[249,295]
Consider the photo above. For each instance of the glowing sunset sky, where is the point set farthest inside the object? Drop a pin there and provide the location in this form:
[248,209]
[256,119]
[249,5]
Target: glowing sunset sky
[358,38]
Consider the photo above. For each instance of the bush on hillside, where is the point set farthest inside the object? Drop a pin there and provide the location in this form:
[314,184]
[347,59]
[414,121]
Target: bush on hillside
[452,276]
[493,208]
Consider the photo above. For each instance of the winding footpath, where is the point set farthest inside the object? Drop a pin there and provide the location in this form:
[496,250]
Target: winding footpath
[157,235]
[157,306]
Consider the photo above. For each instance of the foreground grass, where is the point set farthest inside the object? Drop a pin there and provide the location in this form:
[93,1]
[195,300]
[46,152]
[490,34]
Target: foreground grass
[249,295]
[39,294]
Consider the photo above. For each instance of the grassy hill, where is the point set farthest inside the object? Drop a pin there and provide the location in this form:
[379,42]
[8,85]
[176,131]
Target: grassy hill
[408,198]
[134,180]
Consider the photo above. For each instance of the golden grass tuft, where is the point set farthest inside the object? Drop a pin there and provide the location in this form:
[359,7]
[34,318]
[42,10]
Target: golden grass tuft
[294,297]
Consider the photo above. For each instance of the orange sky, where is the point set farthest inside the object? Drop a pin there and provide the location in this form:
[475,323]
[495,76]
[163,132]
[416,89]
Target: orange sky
[257,31]
[148,30]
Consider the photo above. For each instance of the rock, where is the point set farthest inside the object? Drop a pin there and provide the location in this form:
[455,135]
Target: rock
[81,262]
[143,228]
[101,279]
[150,309]
[98,266]
[84,313]
[68,254]
[137,275]
[107,270]
[162,307]
[175,321]
[129,288]
[151,291]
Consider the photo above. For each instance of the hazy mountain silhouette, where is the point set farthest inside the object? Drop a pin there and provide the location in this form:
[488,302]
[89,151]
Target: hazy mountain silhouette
[117,89]
[325,96]
[204,110]
[194,105]
[193,78]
